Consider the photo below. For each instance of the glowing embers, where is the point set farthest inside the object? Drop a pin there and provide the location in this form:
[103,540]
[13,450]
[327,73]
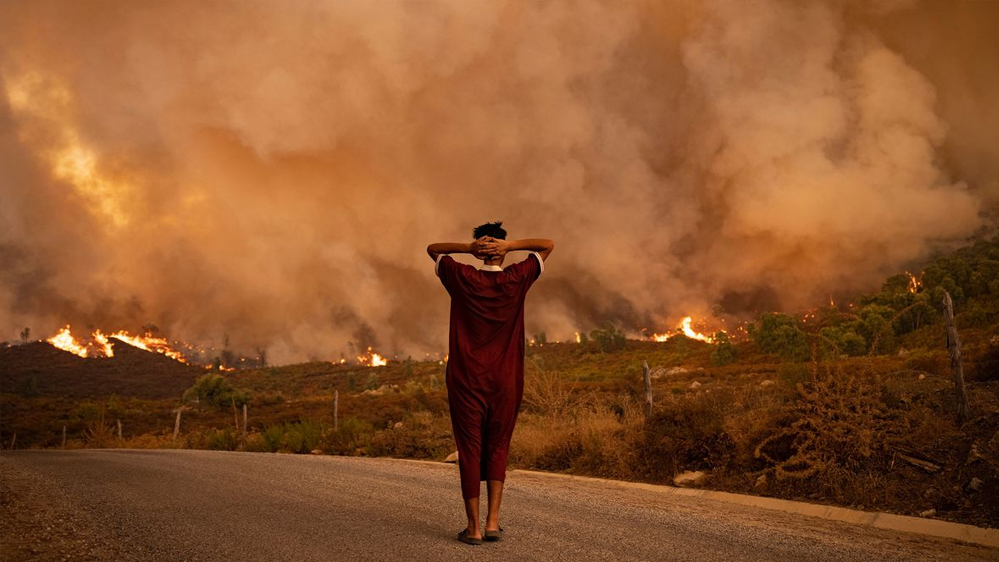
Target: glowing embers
[372,359]
[684,328]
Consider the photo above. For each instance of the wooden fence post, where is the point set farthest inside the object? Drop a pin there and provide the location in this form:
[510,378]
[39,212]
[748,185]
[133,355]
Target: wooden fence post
[244,418]
[176,426]
[63,437]
[956,363]
[648,388]
[13,441]
[336,408]
[119,429]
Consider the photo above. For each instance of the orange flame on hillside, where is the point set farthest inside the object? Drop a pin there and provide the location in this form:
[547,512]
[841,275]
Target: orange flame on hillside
[149,343]
[104,344]
[100,344]
[685,329]
[372,359]
[65,341]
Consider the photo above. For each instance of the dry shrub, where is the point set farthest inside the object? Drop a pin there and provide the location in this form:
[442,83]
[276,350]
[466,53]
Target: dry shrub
[564,430]
[255,443]
[594,441]
[150,441]
[547,393]
[839,421]
[685,433]
[100,433]
[421,435]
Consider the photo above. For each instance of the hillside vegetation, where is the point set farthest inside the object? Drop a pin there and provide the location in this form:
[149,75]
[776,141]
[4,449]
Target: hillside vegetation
[850,405]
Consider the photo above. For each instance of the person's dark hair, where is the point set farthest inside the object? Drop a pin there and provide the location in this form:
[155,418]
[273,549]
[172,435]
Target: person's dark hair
[493,229]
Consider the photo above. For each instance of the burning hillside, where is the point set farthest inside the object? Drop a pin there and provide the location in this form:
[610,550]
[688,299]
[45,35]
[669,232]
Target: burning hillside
[684,329]
[41,368]
[99,345]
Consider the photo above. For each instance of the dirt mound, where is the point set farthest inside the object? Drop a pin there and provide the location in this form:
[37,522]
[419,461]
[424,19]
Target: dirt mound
[38,368]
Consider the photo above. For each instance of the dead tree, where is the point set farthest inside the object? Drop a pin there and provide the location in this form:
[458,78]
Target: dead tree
[956,363]
[176,426]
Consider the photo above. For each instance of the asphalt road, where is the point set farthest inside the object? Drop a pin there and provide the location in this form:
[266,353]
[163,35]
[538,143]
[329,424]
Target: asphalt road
[178,505]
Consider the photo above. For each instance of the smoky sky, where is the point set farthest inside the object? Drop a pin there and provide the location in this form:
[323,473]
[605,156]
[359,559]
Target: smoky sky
[272,172]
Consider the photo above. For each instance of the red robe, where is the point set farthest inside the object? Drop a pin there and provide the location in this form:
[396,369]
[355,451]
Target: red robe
[485,368]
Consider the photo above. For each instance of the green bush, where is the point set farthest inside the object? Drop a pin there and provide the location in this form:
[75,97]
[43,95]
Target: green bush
[608,339]
[302,436]
[353,434]
[272,437]
[295,437]
[780,334]
[222,440]
[723,353]
[216,390]
[842,340]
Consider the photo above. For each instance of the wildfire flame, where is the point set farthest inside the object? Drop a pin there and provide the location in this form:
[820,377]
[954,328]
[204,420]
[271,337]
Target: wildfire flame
[100,344]
[65,341]
[685,329]
[372,359]
[149,343]
[690,333]
[105,345]
[914,283]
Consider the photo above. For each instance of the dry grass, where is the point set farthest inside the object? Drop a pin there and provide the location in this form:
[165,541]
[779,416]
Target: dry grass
[825,431]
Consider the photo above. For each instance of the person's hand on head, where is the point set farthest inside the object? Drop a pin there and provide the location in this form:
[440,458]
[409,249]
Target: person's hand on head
[499,247]
[494,246]
[481,248]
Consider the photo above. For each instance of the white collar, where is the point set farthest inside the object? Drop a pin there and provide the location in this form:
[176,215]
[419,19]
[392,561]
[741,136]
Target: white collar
[491,268]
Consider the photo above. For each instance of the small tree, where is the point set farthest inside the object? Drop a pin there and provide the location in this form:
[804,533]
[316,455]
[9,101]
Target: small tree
[25,334]
[609,338]
[216,390]
[779,333]
[723,353]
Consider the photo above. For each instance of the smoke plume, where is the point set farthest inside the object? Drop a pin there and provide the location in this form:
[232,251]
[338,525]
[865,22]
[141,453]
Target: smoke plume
[271,172]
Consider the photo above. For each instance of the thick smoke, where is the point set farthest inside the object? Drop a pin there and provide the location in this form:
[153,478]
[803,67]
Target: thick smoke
[272,171]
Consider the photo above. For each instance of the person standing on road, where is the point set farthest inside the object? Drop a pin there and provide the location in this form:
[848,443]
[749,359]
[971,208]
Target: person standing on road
[485,367]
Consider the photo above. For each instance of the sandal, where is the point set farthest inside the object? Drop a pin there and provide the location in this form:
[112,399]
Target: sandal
[493,536]
[463,537]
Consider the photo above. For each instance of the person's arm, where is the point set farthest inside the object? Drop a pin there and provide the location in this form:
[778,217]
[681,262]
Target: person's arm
[475,248]
[542,246]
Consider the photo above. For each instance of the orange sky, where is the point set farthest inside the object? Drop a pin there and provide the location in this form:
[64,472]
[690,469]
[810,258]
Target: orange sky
[273,171]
